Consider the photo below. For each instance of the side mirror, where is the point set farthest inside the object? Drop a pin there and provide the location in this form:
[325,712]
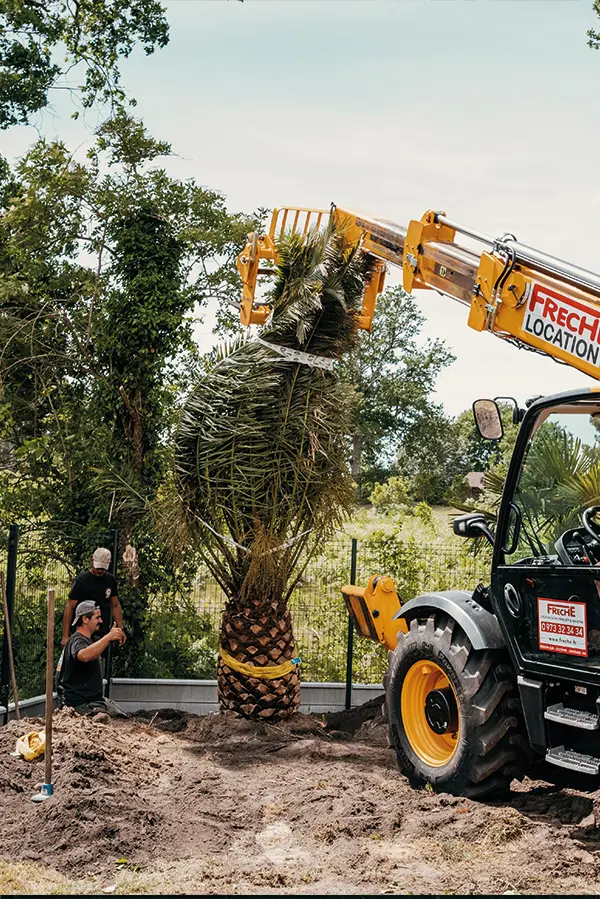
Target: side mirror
[488,420]
[472,524]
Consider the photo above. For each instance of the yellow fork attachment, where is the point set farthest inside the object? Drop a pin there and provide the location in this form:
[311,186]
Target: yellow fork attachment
[262,247]
[372,609]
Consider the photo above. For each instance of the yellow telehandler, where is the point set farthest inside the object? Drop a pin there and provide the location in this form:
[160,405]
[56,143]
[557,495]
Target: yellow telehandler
[484,683]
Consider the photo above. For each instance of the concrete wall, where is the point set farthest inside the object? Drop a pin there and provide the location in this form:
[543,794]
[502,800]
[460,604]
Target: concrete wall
[200,696]
[29,708]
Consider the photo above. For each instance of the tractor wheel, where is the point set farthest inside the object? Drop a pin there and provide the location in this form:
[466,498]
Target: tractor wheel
[453,712]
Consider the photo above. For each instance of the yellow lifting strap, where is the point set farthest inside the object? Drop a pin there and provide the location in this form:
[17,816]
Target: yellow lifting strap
[267,672]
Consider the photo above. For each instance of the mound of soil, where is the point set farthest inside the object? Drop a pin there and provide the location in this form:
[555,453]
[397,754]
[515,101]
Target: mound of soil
[218,804]
[352,720]
[101,772]
[170,720]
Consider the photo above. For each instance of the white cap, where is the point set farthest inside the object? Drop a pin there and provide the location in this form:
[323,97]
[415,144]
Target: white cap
[101,558]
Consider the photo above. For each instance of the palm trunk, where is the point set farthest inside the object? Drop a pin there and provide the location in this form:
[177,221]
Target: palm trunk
[260,634]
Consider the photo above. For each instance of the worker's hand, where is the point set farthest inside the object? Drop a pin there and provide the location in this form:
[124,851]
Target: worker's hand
[64,640]
[116,633]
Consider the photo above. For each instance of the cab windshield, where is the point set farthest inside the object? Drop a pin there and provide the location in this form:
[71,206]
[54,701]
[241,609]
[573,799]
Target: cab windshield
[559,476]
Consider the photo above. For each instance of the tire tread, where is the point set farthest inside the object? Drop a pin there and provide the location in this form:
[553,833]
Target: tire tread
[497,751]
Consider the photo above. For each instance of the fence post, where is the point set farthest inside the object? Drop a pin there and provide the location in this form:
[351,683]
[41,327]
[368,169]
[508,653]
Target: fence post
[11,581]
[113,570]
[350,644]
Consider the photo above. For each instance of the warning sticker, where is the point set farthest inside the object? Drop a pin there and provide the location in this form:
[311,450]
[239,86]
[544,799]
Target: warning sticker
[563,322]
[562,626]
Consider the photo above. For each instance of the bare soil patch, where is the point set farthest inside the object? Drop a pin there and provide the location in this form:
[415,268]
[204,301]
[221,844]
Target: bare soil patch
[217,804]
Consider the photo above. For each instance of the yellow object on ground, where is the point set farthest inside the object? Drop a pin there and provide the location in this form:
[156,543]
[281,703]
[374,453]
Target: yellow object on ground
[32,745]
[266,672]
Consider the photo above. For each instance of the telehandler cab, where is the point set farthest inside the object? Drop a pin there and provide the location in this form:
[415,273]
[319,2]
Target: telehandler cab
[482,683]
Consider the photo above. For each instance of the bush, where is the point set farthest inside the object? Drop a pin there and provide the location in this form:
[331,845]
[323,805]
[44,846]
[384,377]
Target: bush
[424,513]
[390,496]
[178,643]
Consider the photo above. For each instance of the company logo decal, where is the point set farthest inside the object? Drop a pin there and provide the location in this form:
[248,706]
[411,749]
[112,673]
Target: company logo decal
[563,322]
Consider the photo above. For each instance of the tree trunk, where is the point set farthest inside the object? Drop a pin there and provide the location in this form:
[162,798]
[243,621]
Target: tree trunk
[259,634]
[355,462]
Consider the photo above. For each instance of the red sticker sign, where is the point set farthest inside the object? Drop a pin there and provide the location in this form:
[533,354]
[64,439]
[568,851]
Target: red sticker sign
[562,626]
[563,322]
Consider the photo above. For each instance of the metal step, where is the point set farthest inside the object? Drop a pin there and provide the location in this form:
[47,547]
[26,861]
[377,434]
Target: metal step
[575,761]
[572,717]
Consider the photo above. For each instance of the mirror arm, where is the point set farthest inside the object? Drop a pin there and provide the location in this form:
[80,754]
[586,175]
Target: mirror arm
[517,413]
[483,528]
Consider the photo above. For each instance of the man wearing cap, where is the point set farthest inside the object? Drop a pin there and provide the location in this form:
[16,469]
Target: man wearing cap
[80,679]
[100,586]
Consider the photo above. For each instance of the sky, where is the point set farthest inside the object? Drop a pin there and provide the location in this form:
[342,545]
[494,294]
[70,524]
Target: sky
[486,109]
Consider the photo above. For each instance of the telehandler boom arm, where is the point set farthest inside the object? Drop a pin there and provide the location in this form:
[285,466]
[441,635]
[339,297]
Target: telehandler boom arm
[520,294]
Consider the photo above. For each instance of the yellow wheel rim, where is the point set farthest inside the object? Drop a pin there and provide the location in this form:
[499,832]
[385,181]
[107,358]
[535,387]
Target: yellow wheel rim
[432,748]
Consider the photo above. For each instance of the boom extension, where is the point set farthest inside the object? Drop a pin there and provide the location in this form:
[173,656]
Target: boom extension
[513,291]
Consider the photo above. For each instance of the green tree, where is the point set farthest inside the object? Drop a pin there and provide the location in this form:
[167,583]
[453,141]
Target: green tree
[394,375]
[474,453]
[479,454]
[103,265]
[44,44]
[440,451]
[594,36]
[430,457]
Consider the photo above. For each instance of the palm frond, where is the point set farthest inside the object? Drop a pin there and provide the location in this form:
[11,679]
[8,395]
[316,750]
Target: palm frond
[261,447]
[123,484]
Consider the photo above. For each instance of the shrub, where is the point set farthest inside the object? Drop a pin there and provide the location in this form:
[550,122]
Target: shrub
[178,642]
[390,496]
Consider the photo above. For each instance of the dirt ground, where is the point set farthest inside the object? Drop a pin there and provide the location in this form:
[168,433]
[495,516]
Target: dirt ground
[183,804]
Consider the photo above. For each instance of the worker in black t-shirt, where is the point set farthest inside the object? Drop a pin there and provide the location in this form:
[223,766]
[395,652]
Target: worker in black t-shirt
[80,678]
[100,586]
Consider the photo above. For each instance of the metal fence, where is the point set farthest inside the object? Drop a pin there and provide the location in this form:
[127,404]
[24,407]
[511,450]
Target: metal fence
[181,632]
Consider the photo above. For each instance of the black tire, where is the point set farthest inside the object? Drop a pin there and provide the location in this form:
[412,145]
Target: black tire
[386,683]
[490,749]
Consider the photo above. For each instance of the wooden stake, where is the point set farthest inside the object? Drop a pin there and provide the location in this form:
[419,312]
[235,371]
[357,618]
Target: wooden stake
[11,660]
[49,679]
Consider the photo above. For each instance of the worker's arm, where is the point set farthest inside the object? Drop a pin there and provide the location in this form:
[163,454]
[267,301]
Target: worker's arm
[95,650]
[68,614]
[117,613]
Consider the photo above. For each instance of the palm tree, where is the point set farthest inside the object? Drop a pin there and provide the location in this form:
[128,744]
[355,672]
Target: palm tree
[261,464]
